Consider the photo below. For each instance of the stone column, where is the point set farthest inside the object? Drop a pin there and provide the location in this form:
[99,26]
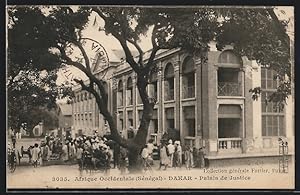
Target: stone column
[134,98]
[177,92]
[210,118]
[124,104]
[198,104]
[249,114]
[160,102]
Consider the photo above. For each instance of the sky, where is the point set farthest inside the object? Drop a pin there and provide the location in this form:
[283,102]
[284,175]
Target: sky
[109,42]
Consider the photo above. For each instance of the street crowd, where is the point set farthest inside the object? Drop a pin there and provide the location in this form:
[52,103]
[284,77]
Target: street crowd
[173,155]
[96,151]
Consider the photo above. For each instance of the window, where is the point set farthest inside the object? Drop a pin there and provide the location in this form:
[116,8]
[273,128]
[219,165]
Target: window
[267,79]
[152,87]
[120,123]
[130,118]
[120,93]
[228,82]
[272,117]
[229,121]
[80,132]
[139,99]
[140,115]
[170,122]
[153,126]
[189,123]
[169,82]
[188,77]
[91,118]
[129,92]
[229,74]
[105,85]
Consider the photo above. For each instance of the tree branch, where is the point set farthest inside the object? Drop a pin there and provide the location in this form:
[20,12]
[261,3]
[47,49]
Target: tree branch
[154,50]
[129,58]
[279,27]
[154,31]
[122,40]
[141,52]
[85,56]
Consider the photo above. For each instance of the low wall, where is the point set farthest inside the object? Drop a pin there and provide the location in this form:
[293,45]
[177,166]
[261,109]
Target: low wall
[249,160]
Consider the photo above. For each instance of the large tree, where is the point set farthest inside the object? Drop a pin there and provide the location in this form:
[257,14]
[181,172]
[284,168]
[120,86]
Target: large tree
[31,74]
[40,33]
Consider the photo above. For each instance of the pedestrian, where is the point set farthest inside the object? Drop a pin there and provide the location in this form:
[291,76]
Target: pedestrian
[179,154]
[79,157]
[47,139]
[188,157]
[72,151]
[171,150]
[123,161]
[35,154]
[164,156]
[44,152]
[116,154]
[146,157]
[64,155]
[51,145]
[201,157]
[195,159]
[13,139]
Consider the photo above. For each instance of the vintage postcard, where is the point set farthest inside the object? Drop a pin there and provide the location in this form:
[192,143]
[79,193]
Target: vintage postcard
[161,97]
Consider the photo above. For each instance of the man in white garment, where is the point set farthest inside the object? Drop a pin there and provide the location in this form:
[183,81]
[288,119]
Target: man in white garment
[171,150]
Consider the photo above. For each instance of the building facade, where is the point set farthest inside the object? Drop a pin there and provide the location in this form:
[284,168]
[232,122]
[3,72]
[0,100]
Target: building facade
[208,102]
[65,117]
[86,116]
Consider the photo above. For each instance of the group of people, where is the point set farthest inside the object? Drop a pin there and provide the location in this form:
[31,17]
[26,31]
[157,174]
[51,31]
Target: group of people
[96,149]
[172,155]
[95,152]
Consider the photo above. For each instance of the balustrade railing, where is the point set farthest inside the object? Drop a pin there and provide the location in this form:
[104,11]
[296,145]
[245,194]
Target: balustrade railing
[229,89]
[229,143]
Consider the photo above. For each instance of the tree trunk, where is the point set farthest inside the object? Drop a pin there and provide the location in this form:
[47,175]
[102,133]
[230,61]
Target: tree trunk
[134,158]
[140,139]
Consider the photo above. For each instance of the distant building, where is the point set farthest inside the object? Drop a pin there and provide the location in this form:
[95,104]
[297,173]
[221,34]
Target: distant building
[65,121]
[86,116]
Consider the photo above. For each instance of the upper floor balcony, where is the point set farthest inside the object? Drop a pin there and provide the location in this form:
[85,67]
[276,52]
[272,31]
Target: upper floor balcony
[229,89]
